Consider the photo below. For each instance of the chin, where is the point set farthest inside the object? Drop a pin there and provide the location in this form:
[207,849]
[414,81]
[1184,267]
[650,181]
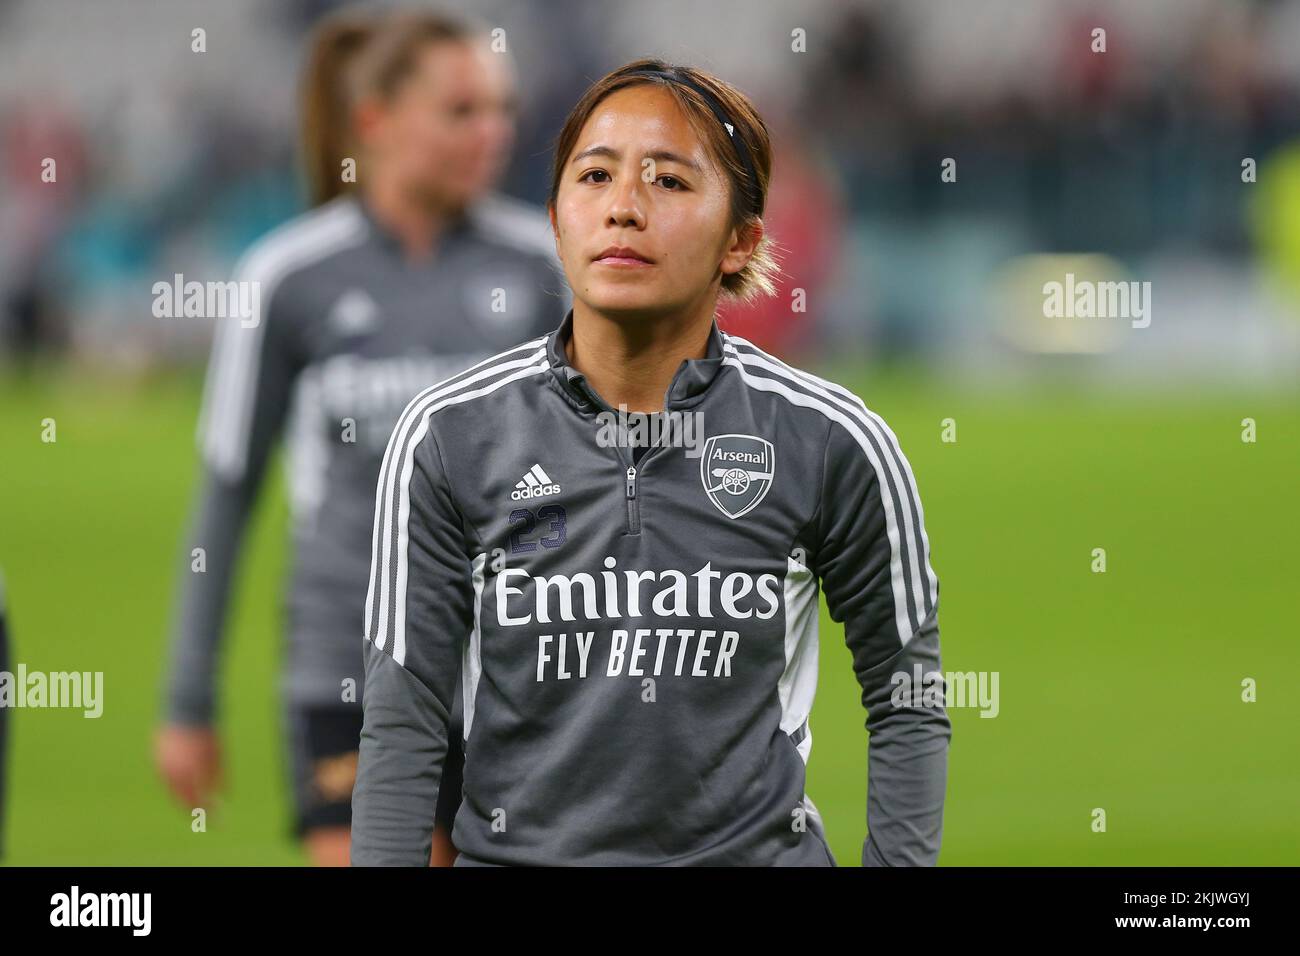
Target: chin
[628,300]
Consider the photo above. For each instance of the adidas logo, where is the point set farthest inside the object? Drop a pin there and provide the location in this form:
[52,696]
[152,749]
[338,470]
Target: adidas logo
[536,483]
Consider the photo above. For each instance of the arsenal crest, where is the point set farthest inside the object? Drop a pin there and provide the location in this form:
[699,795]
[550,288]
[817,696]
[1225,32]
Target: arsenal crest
[736,471]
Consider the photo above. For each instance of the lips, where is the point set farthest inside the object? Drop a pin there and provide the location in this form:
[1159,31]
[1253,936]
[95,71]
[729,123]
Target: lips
[623,255]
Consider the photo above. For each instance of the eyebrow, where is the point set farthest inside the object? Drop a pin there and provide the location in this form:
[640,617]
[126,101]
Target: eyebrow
[658,155]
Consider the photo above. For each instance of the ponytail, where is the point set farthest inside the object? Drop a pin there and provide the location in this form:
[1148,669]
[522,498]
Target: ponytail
[325,135]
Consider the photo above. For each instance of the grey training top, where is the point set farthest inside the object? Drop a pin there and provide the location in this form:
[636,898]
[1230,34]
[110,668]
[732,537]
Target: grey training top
[348,331]
[639,643]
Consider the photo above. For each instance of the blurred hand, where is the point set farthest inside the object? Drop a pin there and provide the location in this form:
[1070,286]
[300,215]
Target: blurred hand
[189,760]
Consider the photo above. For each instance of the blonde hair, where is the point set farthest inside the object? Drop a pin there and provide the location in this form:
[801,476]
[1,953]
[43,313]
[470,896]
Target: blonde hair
[324,133]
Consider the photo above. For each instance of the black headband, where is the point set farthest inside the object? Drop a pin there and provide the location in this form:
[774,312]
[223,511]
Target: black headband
[742,151]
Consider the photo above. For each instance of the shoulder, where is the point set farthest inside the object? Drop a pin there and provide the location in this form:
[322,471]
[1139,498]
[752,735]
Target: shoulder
[855,436]
[307,240]
[500,377]
[514,224]
[816,397]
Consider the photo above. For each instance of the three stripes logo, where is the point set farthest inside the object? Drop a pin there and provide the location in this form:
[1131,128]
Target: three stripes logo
[536,483]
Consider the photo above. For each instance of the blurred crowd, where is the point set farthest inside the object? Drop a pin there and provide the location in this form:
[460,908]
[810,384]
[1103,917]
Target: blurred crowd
[172,161]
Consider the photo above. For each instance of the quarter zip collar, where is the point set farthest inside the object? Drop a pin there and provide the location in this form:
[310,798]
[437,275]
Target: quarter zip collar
[453,229]
[687,388]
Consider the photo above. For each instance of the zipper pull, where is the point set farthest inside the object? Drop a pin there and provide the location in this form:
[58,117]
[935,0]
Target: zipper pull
[631,482]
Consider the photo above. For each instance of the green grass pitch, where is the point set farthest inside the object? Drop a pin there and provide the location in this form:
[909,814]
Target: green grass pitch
[1119,691]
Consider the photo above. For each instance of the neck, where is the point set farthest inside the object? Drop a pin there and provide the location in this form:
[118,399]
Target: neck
[417,225]
[631,363]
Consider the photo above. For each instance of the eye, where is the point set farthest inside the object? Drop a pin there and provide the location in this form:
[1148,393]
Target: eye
[676,186]
[591,172]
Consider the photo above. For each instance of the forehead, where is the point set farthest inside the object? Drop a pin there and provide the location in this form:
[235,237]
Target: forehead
[458,68]
[644,115]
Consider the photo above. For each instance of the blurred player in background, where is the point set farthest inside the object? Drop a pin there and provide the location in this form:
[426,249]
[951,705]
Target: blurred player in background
[417,273]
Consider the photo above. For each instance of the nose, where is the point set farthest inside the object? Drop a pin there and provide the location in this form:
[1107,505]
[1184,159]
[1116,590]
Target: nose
[625,204]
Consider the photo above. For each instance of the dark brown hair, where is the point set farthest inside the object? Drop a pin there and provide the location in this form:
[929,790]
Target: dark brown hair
[748,198]
[353,55]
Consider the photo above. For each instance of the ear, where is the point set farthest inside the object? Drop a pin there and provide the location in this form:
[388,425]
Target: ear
[366,116]
[555,228]
[742,242]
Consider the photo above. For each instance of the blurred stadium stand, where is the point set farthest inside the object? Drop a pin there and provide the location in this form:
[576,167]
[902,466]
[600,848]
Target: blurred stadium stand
[171,161]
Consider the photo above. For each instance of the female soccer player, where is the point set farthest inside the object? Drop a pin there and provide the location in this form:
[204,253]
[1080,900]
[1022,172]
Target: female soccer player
[375,294]
[638,626]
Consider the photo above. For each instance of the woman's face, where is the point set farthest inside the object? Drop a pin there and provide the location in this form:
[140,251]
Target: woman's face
[447,132]
[640,178]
